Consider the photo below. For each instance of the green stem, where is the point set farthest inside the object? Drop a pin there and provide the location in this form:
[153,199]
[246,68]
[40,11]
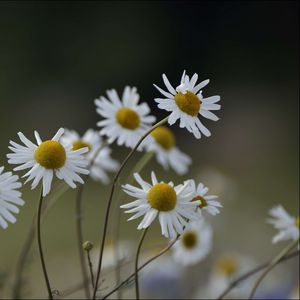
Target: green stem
[40,246]
[115,180]
[272,264]
[136,276]
[91,268]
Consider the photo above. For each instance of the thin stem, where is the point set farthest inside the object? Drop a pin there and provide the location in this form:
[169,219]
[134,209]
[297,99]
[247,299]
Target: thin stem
[115,180]
[40,246]
[91,268]
[272,264]
[80,242]
[136,276]
[140,268]
[253,272]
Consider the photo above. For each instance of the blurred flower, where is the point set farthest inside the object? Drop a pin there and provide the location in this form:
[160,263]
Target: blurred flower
[47,158]
[162,141]
[194,243]
[125,120]
[186,102]
[9,198]
[171,204]
[207,202]
[287,225]
[98,154]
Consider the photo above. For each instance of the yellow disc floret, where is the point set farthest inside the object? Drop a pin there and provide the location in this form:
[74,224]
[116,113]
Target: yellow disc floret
[189,239]
[128,118]
[188,103]
[227,265]
[164,137]
[50,155]
[81,144]
[162,197]
[297,222]
[203,202]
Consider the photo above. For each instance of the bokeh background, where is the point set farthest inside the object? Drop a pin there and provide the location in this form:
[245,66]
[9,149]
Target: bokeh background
[57,57]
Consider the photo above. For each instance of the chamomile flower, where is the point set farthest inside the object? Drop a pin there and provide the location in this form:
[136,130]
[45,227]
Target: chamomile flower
[125,120]
[98,155]
[172,205]
[208,203]
[194,243]
[162,141]
[48,158]
[10,198]
[287,225]
[186,103]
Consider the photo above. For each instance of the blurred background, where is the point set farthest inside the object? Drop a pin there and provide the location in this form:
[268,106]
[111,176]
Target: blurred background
[57,57]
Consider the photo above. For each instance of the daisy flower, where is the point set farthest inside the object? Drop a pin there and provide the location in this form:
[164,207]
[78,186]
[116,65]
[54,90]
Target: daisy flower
[47,158]
[172,205]
[186,102]
[287,225]
[9,197]
[207,202]
[162,142]
[98,155]
[125,120]
[194,243]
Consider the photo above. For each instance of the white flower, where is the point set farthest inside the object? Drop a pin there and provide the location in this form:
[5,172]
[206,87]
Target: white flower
[186,102]
[207,202]
[287,225]
[171,204]
[194,243]
[9,197]
[162,142]
[125,120]
[47,158]
[99,156]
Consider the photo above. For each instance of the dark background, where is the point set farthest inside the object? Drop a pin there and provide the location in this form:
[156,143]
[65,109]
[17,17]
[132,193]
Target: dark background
[57,57]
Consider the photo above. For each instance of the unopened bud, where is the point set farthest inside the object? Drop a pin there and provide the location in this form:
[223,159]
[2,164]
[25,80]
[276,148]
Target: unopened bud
[87,246]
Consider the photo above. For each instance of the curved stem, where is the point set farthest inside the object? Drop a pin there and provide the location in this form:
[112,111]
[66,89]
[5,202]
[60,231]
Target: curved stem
[272,264]
[40,246]
[253,272]
[136,276]
[115,180]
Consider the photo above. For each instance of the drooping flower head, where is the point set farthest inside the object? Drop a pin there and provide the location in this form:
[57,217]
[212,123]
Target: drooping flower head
[162,141]
[208,203]
[172,205]
[194,243]
[287,225]
[186,103]
[98,155]
[48,158]
[10,198]
[125,120]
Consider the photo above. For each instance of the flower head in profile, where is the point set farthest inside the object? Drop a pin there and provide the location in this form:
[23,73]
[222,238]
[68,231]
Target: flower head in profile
[287,225]
[162,141]
[208,203]
[186,103]
[124,119]
[194,243]
[48,158]
[10,198]
[171,204]
[98,155]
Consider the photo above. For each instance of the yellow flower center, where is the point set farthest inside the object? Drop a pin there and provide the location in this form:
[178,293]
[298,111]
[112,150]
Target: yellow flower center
[297,222]
[189,239]
[128,118]
[81,144]
[203,202]
[164,137]
[50,155]
[227,265]
[162,197]
[188,103]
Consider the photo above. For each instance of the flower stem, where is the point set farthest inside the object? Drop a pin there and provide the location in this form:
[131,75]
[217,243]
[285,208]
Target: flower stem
[136,276]
[40,245]
[272,264]
[115,180]
[91,268]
